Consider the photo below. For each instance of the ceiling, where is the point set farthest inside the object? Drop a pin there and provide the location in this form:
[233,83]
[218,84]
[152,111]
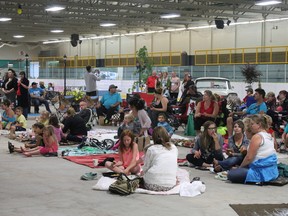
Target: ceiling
[83,17]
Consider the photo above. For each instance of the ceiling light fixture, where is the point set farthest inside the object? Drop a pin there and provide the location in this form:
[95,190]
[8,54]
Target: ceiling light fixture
[169,16]
[57,31]
[54,8]
[265,3]
[107,24]
[18,36]
[5,19]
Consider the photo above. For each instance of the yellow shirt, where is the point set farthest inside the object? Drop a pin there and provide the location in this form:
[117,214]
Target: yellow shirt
[22,119]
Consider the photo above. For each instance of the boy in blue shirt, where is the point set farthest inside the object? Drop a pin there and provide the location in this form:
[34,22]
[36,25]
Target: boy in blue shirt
[162,121]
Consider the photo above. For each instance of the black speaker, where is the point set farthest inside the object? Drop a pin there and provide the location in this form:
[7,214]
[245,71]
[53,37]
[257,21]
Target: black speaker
[219,23]
[74,40]
[75,37]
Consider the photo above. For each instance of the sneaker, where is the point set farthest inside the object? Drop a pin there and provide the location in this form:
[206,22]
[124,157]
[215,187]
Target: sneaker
[89,176]
[10,147]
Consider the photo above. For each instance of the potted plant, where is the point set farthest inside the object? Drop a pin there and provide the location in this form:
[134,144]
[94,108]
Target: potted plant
[144,69]
[251,74]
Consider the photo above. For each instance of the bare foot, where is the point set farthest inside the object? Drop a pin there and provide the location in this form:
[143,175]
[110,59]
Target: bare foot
[22,149]
[218,168]
[27,154]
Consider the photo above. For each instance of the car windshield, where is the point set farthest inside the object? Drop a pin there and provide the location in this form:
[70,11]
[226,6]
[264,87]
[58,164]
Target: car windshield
[212,84]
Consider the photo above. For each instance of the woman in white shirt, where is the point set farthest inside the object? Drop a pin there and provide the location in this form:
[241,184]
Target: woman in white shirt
[260,162]
[160,163]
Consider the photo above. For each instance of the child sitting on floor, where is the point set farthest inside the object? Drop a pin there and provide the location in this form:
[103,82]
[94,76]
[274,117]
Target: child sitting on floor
[35,143]
[54,122]
[128,124]
[162,122]
[21,122]
[50,144]
[128,155]
[8,116]
[270,130]
[44,118]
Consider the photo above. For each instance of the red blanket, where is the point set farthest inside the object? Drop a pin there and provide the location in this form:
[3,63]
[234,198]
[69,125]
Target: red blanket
[88,160]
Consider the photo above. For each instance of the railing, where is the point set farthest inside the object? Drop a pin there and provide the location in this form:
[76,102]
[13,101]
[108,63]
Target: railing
[71,62]
[253,55]
[157,58]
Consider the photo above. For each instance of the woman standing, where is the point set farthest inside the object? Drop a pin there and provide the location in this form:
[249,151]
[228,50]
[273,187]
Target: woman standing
[206,110]
[23,94]
[260,163]
[10,86]
[160,163]
[208,146]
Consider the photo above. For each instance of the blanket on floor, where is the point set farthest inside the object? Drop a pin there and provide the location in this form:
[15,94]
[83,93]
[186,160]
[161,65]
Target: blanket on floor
[184,188]
[87,160]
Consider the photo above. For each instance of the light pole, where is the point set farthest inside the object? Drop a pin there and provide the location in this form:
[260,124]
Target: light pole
[27,65]
[65,59]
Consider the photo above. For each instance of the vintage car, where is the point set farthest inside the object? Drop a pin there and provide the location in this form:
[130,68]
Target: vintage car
[218,85]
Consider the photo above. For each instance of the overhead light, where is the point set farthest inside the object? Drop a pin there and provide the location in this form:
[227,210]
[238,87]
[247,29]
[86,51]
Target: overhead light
[265,3]
[57,31]
[107,24]
[55,8]
[5,19]
[18,36]
[168,16]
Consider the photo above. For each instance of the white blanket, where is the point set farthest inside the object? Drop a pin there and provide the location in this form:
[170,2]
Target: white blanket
[185,188]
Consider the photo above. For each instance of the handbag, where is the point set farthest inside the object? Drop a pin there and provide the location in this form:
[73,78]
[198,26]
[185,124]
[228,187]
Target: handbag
[124,185]
[142,142]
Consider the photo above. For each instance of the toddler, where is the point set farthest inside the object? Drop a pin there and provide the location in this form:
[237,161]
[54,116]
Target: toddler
[44,118]
[128,123]
[162,122]
[21,122]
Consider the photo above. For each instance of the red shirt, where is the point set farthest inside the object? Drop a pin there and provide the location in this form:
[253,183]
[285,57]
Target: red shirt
[151,81]
[209,110]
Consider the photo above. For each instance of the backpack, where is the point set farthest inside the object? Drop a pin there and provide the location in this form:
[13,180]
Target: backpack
[124,185]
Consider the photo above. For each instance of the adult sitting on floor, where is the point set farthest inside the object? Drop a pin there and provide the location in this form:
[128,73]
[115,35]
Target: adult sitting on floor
[256,108]
[237,149]
[208,146]
[75,125]
[8,116]
[37,97]
[207,109]
[160,163]
[260,163]
[85,113]
[159,105]
[109,104]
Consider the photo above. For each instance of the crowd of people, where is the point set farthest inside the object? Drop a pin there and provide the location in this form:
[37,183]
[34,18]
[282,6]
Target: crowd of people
[250,155]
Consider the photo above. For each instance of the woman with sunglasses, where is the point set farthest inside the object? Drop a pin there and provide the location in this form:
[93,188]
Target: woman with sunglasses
[208,146]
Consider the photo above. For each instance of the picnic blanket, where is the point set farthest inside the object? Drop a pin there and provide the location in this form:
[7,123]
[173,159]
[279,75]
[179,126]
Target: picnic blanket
[87,160]
[184,188]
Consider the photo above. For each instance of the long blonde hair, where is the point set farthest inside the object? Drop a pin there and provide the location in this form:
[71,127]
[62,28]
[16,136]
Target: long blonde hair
[160,136]
[50,130]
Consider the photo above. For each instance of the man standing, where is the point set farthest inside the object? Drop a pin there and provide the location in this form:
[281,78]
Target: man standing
[90,81]
[36,98]
[109,103]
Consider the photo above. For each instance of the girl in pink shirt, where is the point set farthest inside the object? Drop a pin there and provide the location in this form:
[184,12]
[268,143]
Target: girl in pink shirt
[50,143]
[128,155]
[54,122]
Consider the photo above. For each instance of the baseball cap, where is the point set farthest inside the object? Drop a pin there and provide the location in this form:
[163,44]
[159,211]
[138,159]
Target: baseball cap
[112,86]
[249,90]
[34,83]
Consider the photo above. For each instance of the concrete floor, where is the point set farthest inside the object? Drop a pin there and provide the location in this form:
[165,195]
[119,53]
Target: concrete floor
[52,186]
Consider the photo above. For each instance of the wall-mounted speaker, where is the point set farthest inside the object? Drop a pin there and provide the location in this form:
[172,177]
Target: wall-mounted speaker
[219,23]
